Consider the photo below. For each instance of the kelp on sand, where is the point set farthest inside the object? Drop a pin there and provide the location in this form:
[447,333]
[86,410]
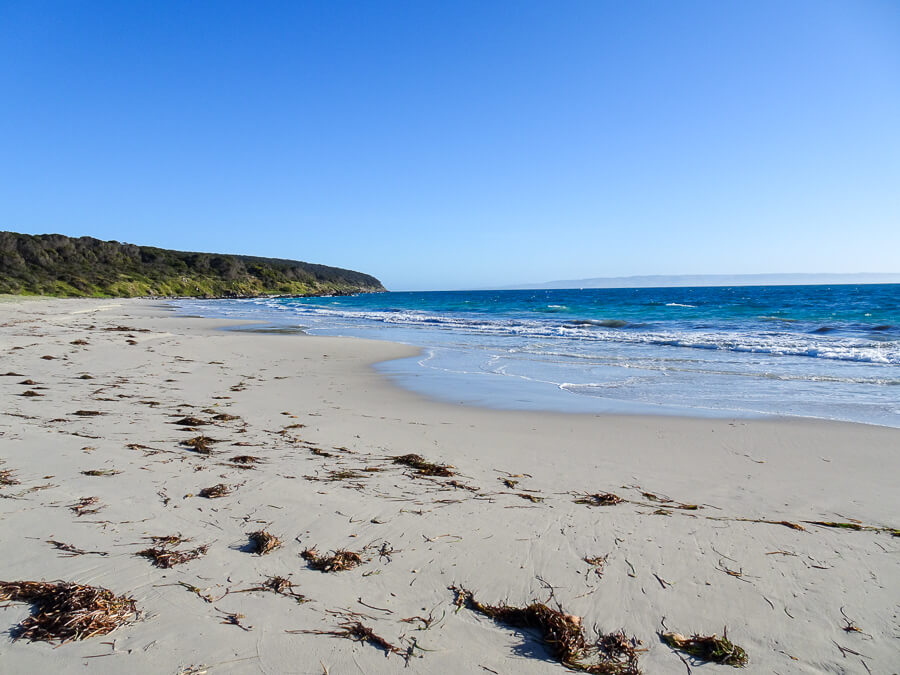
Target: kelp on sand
[64,611]
[611,654]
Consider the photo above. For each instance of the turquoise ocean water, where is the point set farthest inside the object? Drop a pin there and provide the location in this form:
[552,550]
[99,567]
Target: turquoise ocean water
[812,351]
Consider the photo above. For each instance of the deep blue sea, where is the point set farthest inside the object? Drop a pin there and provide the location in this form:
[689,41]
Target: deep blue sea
[812,351]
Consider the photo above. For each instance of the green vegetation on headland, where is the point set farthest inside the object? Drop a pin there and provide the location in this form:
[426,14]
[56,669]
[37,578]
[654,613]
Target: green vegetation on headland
[53,264]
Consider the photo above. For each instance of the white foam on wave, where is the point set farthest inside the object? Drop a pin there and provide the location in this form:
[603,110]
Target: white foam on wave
[855,349]
[583,387]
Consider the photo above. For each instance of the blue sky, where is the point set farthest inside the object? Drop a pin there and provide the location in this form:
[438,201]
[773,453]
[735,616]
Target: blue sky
[448,145]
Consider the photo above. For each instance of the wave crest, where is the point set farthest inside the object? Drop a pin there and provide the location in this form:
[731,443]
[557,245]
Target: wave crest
[608,330]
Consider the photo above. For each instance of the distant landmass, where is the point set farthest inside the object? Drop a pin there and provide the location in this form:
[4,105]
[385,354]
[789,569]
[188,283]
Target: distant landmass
[661,281]
[53,264]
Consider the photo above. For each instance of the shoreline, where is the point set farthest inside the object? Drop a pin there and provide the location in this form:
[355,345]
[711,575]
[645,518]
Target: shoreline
[699,568]
[710,413]
[536,360]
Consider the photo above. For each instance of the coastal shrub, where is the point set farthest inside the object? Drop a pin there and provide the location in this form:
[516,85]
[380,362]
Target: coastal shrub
[53,264]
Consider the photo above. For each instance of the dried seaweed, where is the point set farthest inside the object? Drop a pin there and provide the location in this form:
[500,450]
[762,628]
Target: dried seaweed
[426,622]
[72,551]
[7,477]
[532,498]
[784,523]
[200,444]
[677,505]
[85,506]
[851,627]
[167,557]
[30,393]
[352,629]
[218,490]
[279,586]
[168,539]
[668,503]
[225,417]
[245,459]
[893,531]
[87,413]
[841,526]
[342,474]
[708,648]
[190,422]
[599,499]
[597,563]
[101,472]
[455,484]
[611,654]
[63,611]
[233,619]
[423,467]
[338,561]
[386,550]
[126,329]
[263,542]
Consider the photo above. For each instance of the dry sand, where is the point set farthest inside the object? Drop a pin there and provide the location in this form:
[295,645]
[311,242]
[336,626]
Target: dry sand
[779,591]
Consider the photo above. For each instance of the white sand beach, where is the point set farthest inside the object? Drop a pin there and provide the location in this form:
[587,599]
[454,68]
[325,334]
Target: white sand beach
[321,429]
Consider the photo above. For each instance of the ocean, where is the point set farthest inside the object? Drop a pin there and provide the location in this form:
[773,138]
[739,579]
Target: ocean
[828,352]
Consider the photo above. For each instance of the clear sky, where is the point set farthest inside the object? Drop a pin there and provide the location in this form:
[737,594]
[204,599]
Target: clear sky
[460,144]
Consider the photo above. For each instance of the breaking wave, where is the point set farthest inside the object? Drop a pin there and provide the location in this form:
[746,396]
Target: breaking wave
[815,345]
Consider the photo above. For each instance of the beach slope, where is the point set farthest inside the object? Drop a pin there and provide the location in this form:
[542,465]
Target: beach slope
[122,422]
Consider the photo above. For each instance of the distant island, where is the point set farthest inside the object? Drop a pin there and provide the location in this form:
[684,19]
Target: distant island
[53,264]
[688,280]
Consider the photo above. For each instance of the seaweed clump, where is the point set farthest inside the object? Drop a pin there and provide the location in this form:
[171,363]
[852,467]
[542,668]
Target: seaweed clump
[244,462]
[611,654]
[86,506]
[245,459]
[599,499]
[708,648]
[218,490]
[423,467]
[201,444]
[262,542]
[339,561]
[164,557]
[168,539]
[8,477]
[64,611]
[190,422]
[279,586]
